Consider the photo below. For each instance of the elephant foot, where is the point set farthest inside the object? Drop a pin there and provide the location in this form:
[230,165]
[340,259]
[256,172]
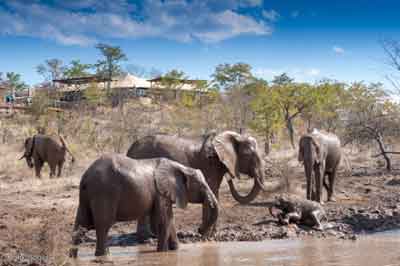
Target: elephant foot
[102,252]
[73,253]
[332,199]
[173,245]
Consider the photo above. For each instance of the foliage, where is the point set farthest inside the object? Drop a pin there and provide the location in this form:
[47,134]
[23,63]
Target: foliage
[77,69]
[371,116]
[94,95]
[109,66]
[15,82]
[51,69]
[227,76]
[267,117]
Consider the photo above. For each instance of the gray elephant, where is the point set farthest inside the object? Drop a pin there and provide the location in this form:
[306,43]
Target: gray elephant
[214,155]
[292,209]
[117,188]
[41,149]
[321,153]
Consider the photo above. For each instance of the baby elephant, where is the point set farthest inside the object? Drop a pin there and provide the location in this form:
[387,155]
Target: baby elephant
[41,149]
[117,188]
[297,210]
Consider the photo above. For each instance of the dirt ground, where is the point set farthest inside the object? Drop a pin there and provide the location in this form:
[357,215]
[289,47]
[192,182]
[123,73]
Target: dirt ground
[37,215]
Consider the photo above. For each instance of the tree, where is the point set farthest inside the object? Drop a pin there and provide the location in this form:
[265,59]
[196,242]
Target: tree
[292,99]
[392,50]
[77,69]
[109,66]
[267,116]
[15,83]
[173,80]
[233,79]
[328,99]
[52,69]
[372,116]
[227,76]
[142,71]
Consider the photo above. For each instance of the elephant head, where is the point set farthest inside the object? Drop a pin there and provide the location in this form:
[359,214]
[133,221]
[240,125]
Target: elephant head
[309,151]
[28,146]
[181,184]
[310,154]
[240,155]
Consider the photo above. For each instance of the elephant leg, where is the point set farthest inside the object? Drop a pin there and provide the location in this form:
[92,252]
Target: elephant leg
[318,182]
[104,212]
[78,231]
[309,192]
[143,229]
[38,166]
[164,221]
[214,186]
[173,242]
[53,167]
[60,166]
[331,191]
[101,239]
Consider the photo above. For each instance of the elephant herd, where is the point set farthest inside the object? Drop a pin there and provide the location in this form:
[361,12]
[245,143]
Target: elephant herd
[161,170]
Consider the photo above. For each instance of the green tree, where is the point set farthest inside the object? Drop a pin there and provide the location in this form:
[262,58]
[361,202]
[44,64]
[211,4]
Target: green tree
[173,81]
[292,100]
[109,66]
[77,69]
[372,116]
[230,76]
[234,80]
[328,98]
[51,69]
[15,82]
[267,118]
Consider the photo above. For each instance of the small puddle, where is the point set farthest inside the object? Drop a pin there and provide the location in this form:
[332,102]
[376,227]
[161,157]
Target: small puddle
[370,250]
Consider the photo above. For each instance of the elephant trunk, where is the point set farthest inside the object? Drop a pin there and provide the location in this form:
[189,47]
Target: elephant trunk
[309,160]
[258,176]
[211,204]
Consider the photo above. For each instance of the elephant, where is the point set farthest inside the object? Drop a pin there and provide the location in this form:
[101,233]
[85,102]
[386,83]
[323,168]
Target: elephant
[290,208]
[213,154]
[321,153]
[41,149]
[117,188]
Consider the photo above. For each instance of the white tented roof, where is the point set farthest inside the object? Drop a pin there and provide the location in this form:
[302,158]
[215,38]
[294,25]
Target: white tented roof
[130,81]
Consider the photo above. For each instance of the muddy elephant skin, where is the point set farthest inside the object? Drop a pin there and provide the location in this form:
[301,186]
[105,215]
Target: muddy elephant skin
[117,188]
[321,153]
[298,210]
[213,154]
[41,148]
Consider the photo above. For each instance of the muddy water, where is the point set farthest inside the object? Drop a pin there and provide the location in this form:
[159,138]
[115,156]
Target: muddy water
[376,250]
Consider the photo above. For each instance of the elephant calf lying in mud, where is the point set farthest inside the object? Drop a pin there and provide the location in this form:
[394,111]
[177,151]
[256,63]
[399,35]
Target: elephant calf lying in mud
[289,208]
[117,188]
[41,149]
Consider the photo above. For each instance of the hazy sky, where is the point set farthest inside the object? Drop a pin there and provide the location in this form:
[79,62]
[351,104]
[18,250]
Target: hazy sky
[309,40]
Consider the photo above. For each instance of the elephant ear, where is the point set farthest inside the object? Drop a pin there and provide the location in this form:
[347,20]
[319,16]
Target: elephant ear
[171,182]
[225,146]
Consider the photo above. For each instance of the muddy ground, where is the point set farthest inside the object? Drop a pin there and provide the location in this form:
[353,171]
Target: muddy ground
[36,215]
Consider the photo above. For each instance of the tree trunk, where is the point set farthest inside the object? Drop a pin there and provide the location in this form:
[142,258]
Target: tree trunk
[379,139]
[290,129]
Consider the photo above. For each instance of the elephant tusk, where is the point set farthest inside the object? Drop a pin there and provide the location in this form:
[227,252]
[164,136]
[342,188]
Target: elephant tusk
[22,157]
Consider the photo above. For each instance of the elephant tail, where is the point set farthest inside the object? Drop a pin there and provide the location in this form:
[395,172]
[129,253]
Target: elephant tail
[62,140]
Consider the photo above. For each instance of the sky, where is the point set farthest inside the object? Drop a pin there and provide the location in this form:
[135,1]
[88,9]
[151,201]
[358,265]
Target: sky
[309,40]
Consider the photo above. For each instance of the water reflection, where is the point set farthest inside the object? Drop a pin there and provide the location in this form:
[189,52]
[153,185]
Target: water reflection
[379,249]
